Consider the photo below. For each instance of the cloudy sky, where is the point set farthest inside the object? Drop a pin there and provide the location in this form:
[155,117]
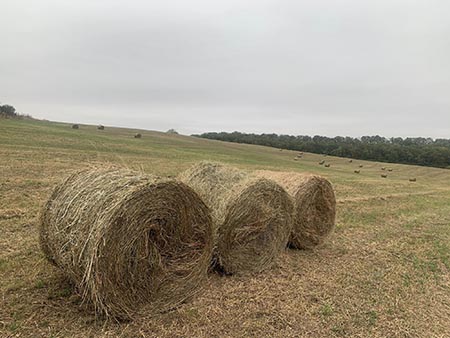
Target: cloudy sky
[329,67]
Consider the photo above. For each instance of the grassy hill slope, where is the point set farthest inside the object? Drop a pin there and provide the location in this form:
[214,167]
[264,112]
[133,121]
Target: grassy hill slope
[384,272]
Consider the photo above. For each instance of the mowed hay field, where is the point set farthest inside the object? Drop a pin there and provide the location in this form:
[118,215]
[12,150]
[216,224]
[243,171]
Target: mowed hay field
[384,272]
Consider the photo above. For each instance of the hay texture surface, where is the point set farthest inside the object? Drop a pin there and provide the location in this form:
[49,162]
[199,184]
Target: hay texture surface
[315,206]
[128,240]
[252,217]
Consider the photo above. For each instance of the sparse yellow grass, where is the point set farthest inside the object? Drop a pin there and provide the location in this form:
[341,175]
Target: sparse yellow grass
[385,272]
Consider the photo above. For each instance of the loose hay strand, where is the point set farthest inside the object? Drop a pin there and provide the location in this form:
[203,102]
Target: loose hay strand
[127,240]
[315,206]
[252,217]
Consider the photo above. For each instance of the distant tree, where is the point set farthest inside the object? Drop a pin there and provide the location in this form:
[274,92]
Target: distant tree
[8,111]
[418,150]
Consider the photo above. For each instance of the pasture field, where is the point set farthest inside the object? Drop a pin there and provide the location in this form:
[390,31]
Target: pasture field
[385,272]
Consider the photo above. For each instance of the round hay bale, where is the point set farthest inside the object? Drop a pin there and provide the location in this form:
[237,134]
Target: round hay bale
[75,126]
[314,206]
[128,241]
[101,127]
[138,135]
[252,216]
[413,179]
[384,176]
[357,171]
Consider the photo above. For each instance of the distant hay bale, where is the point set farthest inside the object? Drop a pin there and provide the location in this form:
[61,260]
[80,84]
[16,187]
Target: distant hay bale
[361,166]
[295,159]
[357,171]
[137,135]
[413,179]
[383,168]
[350,161]
[75,126]
[390,169]
[384,175]
[252,216]
[100,127]
[327,165]
[314,206]
[321,162]
[127,241]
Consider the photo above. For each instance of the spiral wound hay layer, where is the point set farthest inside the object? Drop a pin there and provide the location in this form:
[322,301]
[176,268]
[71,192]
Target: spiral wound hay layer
[127,240]
[252,217]
[315,206]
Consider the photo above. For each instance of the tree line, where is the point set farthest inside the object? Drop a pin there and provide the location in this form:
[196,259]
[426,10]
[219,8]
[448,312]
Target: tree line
[412,150]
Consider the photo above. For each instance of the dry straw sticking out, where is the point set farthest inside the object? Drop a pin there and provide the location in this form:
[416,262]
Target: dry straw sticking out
[128,240]
[315,206]
[252,217]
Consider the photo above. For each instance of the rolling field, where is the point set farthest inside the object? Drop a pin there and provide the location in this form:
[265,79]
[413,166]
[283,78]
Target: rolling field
[385,272]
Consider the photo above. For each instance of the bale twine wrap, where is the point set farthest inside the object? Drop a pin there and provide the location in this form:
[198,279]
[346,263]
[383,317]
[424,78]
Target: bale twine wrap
[128,240]
[252,217]
[314,206]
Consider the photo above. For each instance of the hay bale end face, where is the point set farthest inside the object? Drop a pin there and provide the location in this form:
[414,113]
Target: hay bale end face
[127,241]
[314,206]
[252,216]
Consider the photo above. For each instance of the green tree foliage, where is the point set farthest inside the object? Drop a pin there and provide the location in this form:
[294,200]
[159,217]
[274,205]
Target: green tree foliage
[418,150]
[8,111]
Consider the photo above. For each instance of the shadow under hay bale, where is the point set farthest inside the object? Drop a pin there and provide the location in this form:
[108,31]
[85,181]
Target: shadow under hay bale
[252,216]
[128,241]
[314,206]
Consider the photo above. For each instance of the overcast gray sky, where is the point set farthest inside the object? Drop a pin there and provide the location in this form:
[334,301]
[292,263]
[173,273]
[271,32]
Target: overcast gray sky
[329,67]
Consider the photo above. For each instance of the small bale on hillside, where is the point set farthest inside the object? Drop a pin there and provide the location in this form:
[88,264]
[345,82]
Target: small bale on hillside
[252,216]
[384,175]
[101,127]
[295,159]
[357,171]
[350,161]
[321,162]
[383,168]
[127,241]
[327,165]
[361,166]
[314,206]
[413,179]
[75,126]
[390,169]
[138,135]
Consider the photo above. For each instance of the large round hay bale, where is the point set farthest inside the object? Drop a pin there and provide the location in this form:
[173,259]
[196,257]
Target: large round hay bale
[252,217]
[128,240]
[315,206]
